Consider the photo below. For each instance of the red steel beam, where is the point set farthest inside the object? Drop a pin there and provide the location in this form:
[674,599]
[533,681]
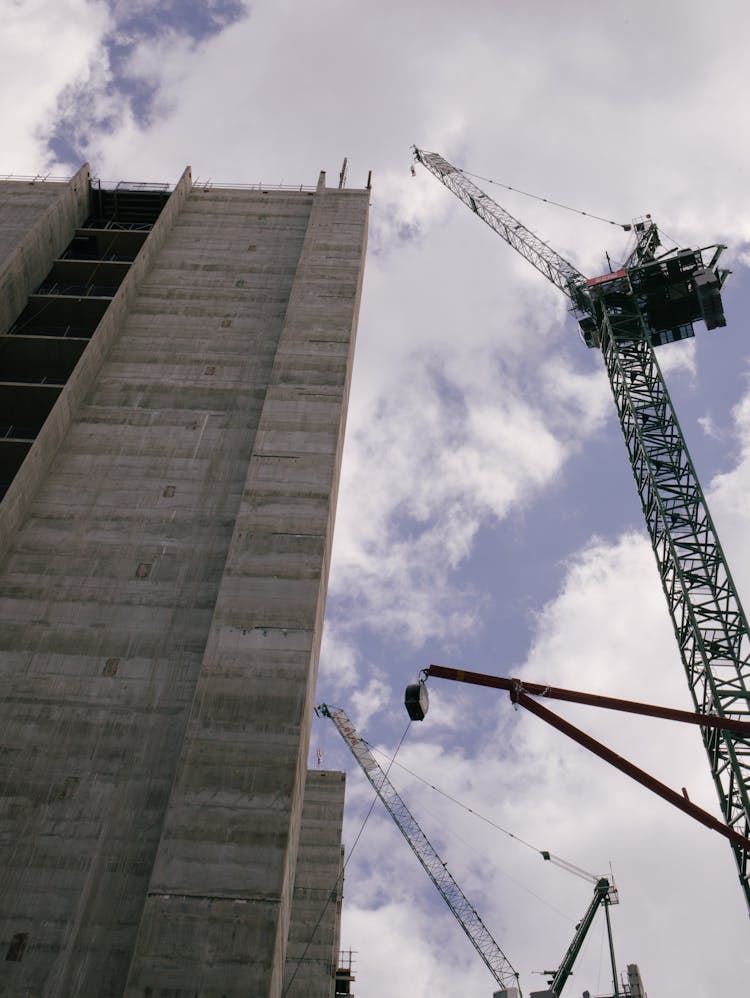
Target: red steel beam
[639,775]
[519,694]
[593,699]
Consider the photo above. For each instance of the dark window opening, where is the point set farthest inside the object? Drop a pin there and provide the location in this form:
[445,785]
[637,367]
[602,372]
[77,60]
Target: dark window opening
[110,667]
[17,946]
[65,310]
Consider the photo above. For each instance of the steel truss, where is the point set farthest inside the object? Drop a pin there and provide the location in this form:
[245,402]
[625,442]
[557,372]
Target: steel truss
[708,619]
[555,268]
[465,913]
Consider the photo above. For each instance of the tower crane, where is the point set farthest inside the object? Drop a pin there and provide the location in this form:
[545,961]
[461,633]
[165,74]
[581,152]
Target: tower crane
[653,299]
[466,914]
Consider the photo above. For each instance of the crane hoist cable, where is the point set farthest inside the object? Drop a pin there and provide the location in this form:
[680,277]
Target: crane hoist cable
[550,857]
[625,226]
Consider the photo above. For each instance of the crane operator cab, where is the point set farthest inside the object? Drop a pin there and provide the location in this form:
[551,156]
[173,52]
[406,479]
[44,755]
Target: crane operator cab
[670,291]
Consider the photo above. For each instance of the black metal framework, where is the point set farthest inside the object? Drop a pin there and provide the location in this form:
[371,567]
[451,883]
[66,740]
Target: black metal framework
[126,206]
[49,336]
[708,619]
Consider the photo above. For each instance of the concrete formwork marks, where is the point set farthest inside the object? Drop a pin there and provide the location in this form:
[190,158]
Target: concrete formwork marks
[314,942]
[37,221]
[230,833]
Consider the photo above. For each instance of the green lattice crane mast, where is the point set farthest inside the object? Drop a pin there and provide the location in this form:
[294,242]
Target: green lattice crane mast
[653,299]
[466,914]
[605,894]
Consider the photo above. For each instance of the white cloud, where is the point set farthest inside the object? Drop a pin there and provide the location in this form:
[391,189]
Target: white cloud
[368,701]
[730,504]
[339,658]
[43,49]
[679,358]
[441,470]
[709,427]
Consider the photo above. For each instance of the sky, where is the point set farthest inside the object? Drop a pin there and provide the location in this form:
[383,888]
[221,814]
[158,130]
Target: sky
[487,515]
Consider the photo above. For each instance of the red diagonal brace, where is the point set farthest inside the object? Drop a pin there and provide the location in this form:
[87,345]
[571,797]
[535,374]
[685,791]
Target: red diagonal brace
[642,777]
[519,694]
[595,700]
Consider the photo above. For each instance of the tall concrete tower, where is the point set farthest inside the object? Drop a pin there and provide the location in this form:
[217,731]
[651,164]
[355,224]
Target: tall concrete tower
[174,373]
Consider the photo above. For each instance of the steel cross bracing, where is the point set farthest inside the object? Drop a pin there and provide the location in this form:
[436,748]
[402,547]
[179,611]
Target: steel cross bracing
[709,622]
[465,913]
[554,267]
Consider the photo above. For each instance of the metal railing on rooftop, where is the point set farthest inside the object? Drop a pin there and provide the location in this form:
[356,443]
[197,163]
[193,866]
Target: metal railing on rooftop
[110,223]
[129,185]
[207,185]
[78,290]
[38,179]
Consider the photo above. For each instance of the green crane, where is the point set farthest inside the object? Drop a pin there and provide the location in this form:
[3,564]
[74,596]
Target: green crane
[605,894]
[654,299]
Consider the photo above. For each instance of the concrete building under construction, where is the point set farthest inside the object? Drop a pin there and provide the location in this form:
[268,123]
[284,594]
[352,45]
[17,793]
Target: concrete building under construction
[175,367]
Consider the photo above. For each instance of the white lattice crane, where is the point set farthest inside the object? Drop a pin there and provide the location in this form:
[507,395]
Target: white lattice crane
[464,911]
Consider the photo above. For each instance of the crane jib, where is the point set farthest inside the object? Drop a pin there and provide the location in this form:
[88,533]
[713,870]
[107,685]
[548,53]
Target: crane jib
[671,292]
[555,268]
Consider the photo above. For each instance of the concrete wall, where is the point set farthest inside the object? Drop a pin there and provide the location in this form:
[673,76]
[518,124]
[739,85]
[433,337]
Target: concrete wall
[635,983]
[37,221]
[169,563]
[222,883]
[17,501]
[314,931]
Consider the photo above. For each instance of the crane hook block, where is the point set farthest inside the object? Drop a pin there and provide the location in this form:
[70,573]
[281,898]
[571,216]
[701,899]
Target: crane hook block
[416,701]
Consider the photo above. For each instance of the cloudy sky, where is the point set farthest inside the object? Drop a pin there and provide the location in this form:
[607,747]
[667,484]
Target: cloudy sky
[488,517]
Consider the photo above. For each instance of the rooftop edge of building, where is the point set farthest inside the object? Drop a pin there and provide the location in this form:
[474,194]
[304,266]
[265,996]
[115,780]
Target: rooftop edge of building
[197,183]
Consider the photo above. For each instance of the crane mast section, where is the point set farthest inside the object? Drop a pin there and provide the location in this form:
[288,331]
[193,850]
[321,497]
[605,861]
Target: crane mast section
[463,910]
[708,619]
[604,893]
[555,268]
